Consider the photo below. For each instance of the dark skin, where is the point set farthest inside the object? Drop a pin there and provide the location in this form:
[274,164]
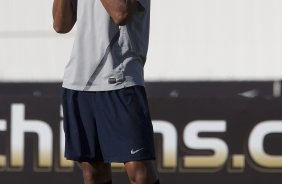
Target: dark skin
[63,16]
[138,172]
[121,11]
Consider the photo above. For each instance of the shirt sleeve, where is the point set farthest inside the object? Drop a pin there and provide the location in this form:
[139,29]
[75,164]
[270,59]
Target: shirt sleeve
[145,3]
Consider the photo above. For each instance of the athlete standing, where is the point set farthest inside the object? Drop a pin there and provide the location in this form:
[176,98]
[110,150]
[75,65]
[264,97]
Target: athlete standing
[106,114]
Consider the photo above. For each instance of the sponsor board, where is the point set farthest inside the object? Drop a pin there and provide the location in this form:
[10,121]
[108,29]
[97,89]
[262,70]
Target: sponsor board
[199,139]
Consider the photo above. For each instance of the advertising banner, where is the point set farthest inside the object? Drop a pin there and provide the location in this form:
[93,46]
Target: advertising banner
[204,133]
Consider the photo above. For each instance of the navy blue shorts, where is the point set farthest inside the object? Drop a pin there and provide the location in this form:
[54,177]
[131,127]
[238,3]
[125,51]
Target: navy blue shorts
[107,126]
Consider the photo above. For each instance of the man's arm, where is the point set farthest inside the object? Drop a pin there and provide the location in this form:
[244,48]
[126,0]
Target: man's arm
[121,11]
[64,17]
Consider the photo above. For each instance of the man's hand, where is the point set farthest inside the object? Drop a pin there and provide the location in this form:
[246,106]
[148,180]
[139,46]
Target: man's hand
[121,11]
[64,17]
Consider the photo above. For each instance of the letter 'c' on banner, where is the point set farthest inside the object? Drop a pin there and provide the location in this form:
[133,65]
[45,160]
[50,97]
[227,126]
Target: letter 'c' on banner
[256,148]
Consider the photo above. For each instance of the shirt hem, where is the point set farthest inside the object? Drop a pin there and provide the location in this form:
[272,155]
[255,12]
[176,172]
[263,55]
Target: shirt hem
[102,88]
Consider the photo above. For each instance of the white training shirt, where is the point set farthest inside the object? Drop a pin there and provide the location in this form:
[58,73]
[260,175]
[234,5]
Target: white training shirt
[106,56]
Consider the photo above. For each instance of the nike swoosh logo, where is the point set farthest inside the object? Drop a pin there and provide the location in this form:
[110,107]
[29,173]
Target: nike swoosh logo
[136,151]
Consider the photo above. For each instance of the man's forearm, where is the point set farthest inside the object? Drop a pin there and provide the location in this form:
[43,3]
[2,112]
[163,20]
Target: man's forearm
[63,16]
[121,10]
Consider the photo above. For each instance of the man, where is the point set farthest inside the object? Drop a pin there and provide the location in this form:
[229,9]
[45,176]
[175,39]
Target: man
[106,116]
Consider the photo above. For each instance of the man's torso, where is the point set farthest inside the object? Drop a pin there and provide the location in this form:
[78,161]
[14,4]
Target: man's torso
[106,56]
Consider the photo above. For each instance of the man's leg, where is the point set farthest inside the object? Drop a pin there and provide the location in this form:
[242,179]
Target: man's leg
[141,172]
[96,173]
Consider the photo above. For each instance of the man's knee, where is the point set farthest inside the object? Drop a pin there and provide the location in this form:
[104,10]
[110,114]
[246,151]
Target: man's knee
[100,172]
[141,171]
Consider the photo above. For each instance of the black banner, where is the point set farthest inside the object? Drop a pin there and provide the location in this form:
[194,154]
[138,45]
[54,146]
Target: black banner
[205,132]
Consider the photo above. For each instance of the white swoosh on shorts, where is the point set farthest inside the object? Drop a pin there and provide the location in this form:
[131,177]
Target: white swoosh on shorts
[136,151]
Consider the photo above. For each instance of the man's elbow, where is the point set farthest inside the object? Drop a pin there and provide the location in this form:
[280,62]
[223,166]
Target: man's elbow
[60,29]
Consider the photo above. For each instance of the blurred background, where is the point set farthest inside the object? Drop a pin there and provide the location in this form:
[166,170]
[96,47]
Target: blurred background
[190,40]
[213,78]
